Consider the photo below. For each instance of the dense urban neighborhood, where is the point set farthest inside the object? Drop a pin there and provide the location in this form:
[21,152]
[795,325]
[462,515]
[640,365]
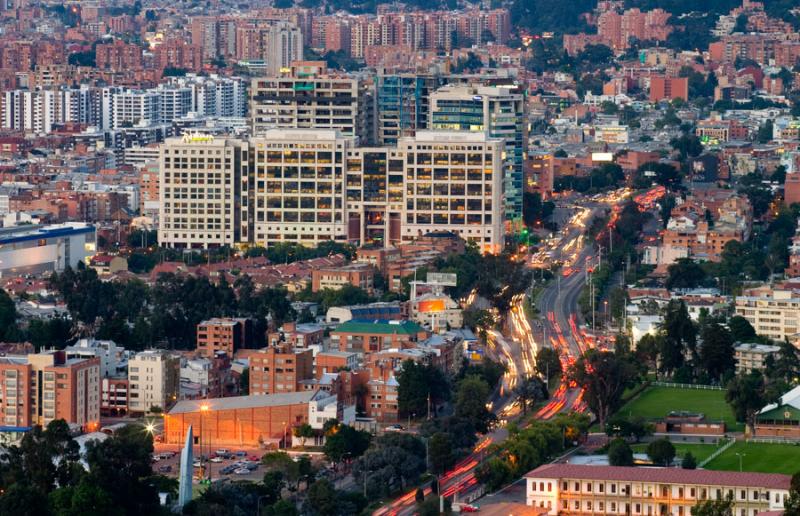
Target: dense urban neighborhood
[332,258]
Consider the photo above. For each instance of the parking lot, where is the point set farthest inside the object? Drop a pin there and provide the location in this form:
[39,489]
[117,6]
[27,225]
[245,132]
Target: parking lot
[173,464]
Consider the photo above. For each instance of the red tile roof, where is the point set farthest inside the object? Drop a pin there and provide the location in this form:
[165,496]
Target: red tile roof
[662,475]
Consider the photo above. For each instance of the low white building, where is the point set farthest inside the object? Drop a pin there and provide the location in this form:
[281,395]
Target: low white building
[37,249]
[113,358]
[753,357]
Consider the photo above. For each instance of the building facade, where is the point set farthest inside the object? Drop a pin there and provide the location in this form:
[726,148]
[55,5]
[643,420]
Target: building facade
[153,379]
[580,489]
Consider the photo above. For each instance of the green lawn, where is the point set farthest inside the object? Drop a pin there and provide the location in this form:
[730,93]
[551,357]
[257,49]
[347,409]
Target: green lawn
[764,458]
[700,451]
[657,402]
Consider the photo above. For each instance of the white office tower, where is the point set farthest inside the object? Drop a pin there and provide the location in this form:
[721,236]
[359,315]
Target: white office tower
[297,187]
[200,191]
[454,182]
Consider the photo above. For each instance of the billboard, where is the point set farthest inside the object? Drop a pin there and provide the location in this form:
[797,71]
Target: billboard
[446,279]
[431,306]
[602,156]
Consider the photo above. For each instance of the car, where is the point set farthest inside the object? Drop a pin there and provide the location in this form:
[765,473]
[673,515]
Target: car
[227,470]
[240,453]
[222,452]
[216,460]
[254,458]
[242,471]
[156,458]
[465,507]
[165,469]
[196,464]
[395,428]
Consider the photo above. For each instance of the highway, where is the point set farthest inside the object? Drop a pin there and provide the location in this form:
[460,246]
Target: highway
[518,344]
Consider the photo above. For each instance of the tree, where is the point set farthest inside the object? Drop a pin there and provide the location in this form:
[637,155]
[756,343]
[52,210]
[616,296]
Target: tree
[473,391]
[8,317]
[620,453]
[685,273]
[322,498]
[603,376]
[714,507]
[440,451]
[419,384]
[634,427]
[747,395]
[741,329]
[548,363]
[530,390]
[303,432]
[661,452]
[344,441]
[680,335]
[688,461]
[717,353]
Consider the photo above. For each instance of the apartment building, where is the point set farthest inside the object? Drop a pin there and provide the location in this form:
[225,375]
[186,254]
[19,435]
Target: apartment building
[154,380]
[280,369]
[227,335]
[497,110]
[773,313]
[581,489]
[39,388]
[753,357]
[313,100]
[334,278]
[200,191]
[284,46]
[132,108]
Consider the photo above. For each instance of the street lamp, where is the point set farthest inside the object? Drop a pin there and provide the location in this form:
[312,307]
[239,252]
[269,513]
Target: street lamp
[284,435]
[740,455]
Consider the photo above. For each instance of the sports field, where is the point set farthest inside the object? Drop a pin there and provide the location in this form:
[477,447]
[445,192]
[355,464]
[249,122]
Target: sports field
[760,457]
[657,402]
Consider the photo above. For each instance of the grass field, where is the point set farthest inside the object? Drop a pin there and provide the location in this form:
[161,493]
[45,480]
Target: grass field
[657,402]
[700,451]
[763,458]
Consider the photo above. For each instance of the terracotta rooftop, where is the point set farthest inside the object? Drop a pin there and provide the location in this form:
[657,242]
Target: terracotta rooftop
[662,475]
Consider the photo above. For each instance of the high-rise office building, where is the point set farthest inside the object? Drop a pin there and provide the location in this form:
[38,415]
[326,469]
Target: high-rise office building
[308,186]
[297,188]
[200,191]
[313,100]
[498,110]
[403,102]
[454,182]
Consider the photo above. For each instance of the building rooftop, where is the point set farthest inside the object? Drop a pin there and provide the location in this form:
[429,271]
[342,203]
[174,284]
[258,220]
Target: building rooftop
[380,326]
[663,475]
[28,232]
[243,402]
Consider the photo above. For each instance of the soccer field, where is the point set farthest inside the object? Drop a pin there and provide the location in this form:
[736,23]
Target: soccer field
[657,402]
[759,457]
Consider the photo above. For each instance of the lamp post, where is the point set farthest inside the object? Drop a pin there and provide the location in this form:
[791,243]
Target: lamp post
[284,434]
[740,455]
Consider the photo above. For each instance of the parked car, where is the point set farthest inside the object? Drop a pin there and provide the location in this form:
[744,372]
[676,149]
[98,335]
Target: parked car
[395,428]
[254,458]
[242,471]
[165,469]
[216,459]
[196,464]
[222,452]
[465,507]
[227,470]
